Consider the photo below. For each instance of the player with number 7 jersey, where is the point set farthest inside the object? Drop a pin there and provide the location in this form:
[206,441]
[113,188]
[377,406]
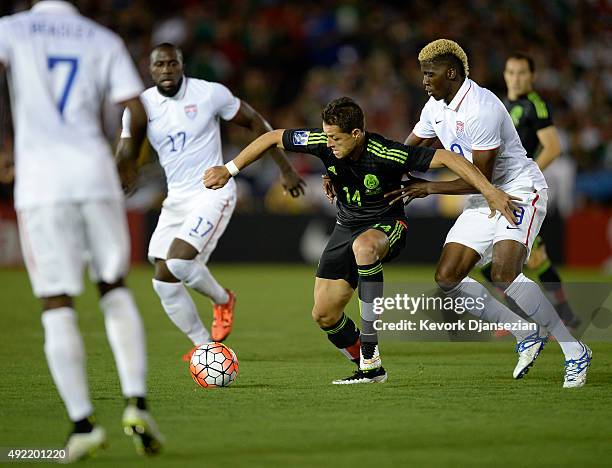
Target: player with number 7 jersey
[70,206]
[184,116]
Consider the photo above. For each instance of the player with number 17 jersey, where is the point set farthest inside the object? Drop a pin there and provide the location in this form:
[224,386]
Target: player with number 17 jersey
[184,130]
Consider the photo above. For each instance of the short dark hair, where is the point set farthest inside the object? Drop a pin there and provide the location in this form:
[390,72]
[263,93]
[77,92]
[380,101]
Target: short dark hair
[345,113]
[523,56]
[168,45]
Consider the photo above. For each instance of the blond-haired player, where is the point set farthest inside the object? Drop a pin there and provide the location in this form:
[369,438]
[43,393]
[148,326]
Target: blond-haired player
[472,121]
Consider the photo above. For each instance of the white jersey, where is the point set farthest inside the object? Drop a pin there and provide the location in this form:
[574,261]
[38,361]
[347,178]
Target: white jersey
[61,68]
[184,130]
[476,119]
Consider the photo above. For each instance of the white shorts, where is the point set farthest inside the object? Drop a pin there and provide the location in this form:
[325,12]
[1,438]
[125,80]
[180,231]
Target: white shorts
[477,231]
[199,223]
[58,240]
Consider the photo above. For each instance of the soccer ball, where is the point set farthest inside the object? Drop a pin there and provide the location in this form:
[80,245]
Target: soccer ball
[213,365]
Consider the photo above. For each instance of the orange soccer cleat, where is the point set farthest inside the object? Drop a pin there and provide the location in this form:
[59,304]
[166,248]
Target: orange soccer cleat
[223,318]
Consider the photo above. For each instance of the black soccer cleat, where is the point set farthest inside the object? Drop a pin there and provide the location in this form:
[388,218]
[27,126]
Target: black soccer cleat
[364,377]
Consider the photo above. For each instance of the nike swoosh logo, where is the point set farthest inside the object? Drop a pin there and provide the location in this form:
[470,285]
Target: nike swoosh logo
[438,121]
[508,227]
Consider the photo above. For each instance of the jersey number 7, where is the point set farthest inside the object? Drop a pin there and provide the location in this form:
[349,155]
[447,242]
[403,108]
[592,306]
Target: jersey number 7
[72,64]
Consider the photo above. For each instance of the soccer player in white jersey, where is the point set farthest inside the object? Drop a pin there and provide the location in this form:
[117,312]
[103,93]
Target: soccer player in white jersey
[183,128]
[69,201]
[473,122]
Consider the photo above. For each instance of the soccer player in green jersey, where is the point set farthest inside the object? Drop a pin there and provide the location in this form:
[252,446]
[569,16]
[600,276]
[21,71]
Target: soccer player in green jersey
[362,166]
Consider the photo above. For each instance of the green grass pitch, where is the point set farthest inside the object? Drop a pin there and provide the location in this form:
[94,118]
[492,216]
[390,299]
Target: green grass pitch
[444,404]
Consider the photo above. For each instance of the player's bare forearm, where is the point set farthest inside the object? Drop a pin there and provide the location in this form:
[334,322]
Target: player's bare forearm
[249,118]
[217,176]
[551,147]
[471,177]
[256,149]
[451,187]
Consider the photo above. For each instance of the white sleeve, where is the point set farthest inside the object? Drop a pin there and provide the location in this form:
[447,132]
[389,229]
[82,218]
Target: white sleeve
[424,128]
[224,103]
[484,129]
[5,44]
[125,83]
[126,120]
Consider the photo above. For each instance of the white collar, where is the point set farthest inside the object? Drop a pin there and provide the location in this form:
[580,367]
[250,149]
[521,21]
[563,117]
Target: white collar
[178,96]
[54,7]
[458,99]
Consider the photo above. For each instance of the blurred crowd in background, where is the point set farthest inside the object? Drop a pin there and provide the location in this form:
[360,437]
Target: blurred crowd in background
[288,59]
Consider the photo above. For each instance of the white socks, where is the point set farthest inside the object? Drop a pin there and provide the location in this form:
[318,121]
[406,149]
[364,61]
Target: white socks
[197,276]
[66,358]
[530,298]
[181,309]
[126,336]
[493,310]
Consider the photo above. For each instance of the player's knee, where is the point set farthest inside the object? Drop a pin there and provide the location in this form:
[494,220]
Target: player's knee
[183,270]
[162,273]
[104,288]
[447,277]
[365,251]
[57,302]
[503,276]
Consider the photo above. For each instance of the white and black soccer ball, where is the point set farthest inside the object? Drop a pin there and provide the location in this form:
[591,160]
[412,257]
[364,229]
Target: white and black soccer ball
[213,365]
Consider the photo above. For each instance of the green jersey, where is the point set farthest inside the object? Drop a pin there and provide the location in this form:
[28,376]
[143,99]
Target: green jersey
[361,184]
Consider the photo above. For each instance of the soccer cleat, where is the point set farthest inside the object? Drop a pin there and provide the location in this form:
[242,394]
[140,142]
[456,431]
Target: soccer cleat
[576,369]
[528,350]
[187,356]
[84,444]
[369,357]
[360,377]
[139,424]
[223,318]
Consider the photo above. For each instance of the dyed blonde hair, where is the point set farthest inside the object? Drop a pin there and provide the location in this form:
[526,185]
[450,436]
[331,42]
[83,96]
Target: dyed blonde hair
[441,47]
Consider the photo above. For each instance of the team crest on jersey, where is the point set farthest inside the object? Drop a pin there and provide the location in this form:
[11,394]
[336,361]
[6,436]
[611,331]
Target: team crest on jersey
[300,138]
[191,111]
[370,181]
[459,126]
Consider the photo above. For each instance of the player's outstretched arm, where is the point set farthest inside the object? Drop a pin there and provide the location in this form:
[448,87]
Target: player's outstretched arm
[126,155]
[249,118]
[497,199]
[217,176]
